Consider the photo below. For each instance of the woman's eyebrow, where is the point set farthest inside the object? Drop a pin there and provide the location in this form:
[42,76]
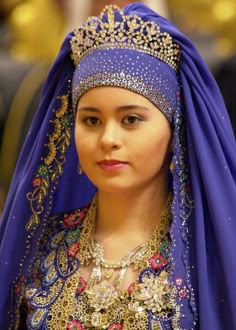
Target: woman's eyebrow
[121,108]
[132,107]
[91,109]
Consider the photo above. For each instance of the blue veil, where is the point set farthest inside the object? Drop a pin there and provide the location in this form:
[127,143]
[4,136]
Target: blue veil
[204,219]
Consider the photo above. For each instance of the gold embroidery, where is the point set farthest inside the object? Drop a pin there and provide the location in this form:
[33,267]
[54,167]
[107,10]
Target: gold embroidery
[52,166]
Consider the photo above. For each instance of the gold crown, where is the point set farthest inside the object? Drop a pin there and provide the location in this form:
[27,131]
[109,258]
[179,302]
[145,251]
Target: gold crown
[129,32]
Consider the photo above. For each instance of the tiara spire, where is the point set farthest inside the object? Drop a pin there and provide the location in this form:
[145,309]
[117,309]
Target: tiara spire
[112,29]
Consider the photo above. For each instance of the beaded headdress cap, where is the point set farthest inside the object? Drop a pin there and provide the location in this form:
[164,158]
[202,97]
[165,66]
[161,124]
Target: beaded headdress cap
[124,31]
[124,51]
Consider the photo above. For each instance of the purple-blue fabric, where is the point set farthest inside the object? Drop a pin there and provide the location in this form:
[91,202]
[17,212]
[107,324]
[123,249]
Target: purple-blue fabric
[211,228]
[148,72]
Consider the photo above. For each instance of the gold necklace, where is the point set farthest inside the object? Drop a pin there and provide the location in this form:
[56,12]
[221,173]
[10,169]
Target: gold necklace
[101,294]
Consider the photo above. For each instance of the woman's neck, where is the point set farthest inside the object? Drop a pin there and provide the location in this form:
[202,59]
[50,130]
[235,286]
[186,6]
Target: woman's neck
[128,218]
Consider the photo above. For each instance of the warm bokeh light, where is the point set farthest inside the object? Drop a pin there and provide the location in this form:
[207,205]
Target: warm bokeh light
[35,22]
[211,17]
[38,29]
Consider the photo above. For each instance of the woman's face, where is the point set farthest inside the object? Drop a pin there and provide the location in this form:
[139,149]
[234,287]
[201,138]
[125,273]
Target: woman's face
[122,139]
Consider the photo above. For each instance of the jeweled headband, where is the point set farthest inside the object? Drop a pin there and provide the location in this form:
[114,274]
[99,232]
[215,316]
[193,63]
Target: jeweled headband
[125,51]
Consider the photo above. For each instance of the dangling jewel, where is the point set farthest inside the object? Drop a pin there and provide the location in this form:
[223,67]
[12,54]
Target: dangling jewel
[118,280]
[108,273]
[96,319]
[95,277]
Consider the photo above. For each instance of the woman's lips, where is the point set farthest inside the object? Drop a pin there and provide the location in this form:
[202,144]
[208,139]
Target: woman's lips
[111,164]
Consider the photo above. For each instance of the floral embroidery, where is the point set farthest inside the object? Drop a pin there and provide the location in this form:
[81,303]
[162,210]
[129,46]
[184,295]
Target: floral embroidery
[51,168]
[74,325]
[73,249]
[42,171]
[81,285]
[157,261]
[183,293]
[75,219]
[115,326]
[179,281]
[164,249]
[37,182]
[72,236]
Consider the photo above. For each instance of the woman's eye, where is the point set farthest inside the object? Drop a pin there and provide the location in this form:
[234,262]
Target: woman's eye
[132,120]
[91,121]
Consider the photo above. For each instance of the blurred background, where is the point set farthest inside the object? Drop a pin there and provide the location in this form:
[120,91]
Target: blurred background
[31,32]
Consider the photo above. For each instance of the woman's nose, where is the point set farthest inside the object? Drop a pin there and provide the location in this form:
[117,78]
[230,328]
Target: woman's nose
[111,137]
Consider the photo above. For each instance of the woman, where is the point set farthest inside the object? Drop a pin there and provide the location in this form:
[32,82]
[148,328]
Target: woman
[142,237]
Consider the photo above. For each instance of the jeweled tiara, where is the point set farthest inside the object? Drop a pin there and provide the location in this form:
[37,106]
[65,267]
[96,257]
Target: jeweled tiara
[123,31]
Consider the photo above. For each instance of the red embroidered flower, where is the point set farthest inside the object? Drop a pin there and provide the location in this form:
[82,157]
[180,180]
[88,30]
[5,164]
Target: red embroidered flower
[183,293]
[74,325]
[130,288]
[115,326]
[75,219]
[73,249]
[37,182]
[81,285]
[157,261]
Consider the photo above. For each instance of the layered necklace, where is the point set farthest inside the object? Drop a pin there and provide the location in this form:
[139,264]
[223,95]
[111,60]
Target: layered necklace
[104,285]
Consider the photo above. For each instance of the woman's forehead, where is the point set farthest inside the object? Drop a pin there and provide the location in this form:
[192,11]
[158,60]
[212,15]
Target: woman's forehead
[114,97]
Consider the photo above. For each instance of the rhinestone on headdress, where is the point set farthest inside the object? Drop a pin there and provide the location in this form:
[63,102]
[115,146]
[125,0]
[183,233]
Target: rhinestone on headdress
[123,31]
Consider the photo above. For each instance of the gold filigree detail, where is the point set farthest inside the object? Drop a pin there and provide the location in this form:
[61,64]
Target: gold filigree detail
[126,32]
[51,167]
[86,234]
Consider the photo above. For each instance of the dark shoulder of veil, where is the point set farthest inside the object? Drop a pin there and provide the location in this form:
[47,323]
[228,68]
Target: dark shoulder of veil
[203,240]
